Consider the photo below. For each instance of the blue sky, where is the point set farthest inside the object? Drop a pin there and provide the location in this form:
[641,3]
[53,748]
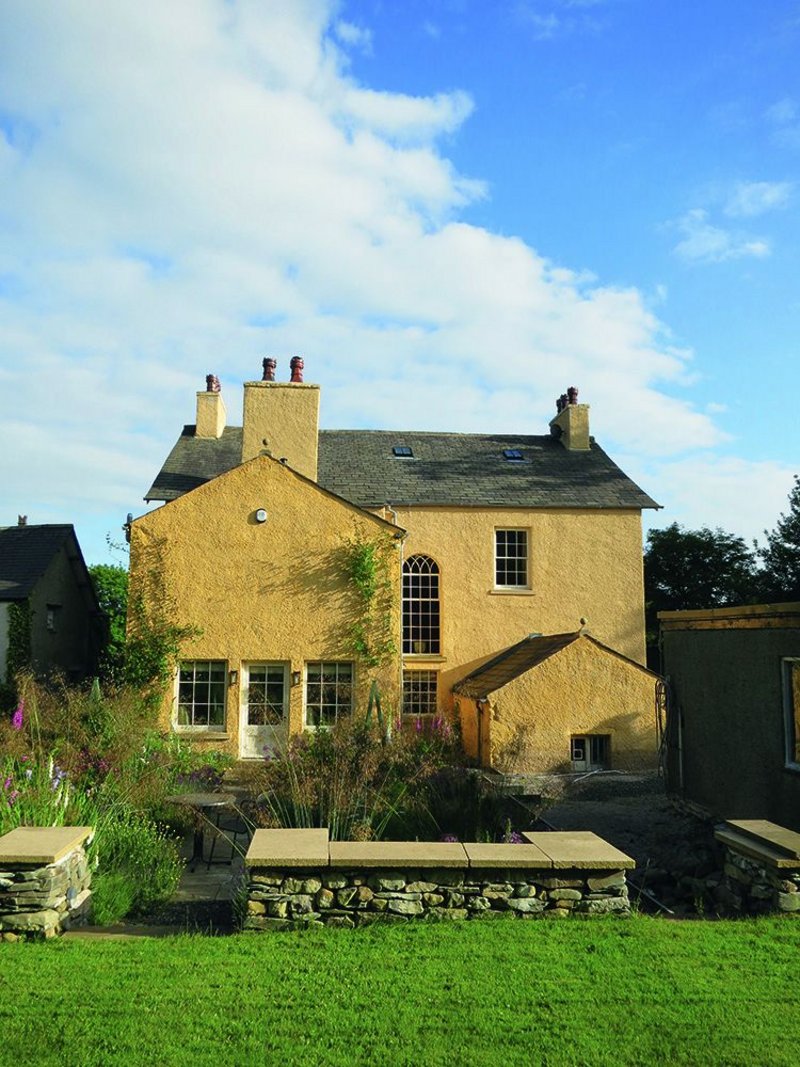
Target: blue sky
[453,210]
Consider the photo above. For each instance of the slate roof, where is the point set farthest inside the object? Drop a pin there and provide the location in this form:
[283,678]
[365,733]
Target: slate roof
[526,654]
[25,554]
[512,662]
[446,468]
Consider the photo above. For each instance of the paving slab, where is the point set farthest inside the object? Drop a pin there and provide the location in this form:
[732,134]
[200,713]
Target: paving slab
[750,846]
[41,844]
[769,833]
[510,857]
[580,850]
[288,848]
[397,854]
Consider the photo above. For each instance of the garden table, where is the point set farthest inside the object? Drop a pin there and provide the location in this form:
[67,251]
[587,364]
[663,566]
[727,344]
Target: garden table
[200,803]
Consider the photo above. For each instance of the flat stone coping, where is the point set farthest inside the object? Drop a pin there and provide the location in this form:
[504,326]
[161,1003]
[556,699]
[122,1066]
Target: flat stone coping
[769,833]
[509,857]
[288,848]
[750,847]
[401,854]
[41,844]
[579,850]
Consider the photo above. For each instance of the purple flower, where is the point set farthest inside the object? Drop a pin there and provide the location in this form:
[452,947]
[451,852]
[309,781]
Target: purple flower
[7,784]
[449,837]
[18,717]
[13,796]
[418,725]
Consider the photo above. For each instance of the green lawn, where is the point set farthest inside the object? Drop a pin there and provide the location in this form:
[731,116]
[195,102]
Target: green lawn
[641,991]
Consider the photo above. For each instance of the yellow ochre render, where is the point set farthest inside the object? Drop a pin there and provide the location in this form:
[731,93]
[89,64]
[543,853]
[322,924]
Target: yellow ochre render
[263,592]
[582,564]
[527,725]
[282,419]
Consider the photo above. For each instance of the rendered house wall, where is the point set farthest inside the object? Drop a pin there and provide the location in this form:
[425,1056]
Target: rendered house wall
[72,645]
[527,725]
[583,564]
[263,592]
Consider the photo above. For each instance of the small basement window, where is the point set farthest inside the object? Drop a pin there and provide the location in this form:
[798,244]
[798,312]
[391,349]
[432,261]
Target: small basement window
[402,450]
[592,752]
[512,454]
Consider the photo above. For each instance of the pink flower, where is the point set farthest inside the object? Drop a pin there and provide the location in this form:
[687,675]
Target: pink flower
[19,715]
[7,784]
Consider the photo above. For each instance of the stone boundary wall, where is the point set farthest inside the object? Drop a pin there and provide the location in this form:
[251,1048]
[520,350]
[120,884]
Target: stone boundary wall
[45,881]
[297,878]
[762,867]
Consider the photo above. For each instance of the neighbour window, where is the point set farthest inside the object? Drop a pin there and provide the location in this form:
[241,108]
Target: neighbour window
[419,692]
[329,692]
[51,618]
[201,693]
[511,559]
[420,606]
[791,698]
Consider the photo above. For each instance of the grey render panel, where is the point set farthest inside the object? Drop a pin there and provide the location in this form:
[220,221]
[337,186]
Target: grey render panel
[727,700]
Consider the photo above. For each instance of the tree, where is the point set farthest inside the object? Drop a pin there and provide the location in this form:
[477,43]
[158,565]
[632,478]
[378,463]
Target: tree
[110,582]
[781,557]
[695,569]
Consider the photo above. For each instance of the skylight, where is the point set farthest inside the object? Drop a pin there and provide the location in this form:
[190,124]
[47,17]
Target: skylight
[512,453]
[402,450]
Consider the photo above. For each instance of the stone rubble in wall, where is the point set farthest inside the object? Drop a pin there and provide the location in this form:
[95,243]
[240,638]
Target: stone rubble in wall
[750,887]
[284,899]
[43,902]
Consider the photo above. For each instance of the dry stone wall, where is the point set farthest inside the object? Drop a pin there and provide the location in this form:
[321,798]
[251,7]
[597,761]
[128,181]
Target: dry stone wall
[762,868]
[296,878]
[45,881]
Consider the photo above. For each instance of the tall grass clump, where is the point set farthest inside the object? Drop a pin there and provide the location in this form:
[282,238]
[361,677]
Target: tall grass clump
[352,779]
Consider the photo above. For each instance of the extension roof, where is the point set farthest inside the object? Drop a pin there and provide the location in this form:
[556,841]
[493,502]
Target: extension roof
[522,657]
[445,469]
[27,551]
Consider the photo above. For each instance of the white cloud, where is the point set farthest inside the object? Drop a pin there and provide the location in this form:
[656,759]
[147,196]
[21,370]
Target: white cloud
[755,198]
[782,112]
[354,36]
[703,242]
[203,182]
[742,496]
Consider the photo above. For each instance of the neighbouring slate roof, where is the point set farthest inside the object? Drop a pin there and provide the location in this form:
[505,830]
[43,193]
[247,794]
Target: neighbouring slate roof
[25,554]
[446,468]
[526,654]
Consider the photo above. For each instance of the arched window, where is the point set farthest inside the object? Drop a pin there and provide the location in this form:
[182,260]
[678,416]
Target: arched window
[421,606]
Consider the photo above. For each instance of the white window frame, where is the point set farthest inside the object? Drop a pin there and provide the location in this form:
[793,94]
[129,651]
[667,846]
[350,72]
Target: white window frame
[515,586]
[791,715]
[193,727]
[421,613]
[338,709]
[433,690]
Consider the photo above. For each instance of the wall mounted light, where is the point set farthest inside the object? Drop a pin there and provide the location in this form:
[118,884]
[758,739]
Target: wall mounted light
[261,515]
[295,677]
[233,677]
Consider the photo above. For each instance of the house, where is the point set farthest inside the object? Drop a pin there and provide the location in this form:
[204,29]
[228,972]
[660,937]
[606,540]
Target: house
[733,723]
[49,616]
[483,539]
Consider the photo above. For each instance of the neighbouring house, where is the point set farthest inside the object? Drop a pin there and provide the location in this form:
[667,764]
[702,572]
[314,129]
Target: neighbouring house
[50,620]
[733,723]
[483,538]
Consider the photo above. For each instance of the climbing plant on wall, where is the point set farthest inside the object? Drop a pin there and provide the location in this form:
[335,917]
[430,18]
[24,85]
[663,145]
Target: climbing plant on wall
[368,567]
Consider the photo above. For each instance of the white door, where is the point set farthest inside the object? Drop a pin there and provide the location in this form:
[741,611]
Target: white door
[265,712]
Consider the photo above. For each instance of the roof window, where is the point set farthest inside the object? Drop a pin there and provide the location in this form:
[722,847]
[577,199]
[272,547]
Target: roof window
[512,454]
[402,450]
